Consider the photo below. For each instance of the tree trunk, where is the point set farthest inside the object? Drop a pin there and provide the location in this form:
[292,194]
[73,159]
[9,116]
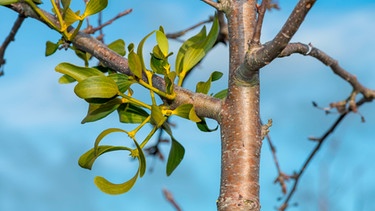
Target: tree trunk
[239,120]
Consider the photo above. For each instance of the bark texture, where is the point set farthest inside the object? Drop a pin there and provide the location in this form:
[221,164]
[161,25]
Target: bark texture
[240,123]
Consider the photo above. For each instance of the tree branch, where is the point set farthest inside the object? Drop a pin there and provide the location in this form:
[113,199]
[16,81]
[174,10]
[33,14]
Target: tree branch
[205,106]
[17,24]
[309,50]
[258,57]
[320,141]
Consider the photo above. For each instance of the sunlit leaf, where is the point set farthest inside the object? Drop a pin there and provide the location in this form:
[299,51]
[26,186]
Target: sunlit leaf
[123,81]
[169,79]
[51,48]
[157,117]
[176,154]
[185,46]
[129,113]
[118,46]
[162,41]
[141,159]
[88,158]
[99,111]
[94,6]
[114,189]
[193,50]
[135,64]
[204,87]
[65,79]
[70,17]
[76,72]
[186,111]
[7,2]
[96,87]
[140,49]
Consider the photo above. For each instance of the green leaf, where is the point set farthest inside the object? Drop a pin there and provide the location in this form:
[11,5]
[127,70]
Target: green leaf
[123,81]
[96,87]
[99,111]
[88,158]
[195,49]
[70,17]
[83,55]
[162,41]
[141,159]
[65,79]
[186,111]
[94,6]
[185,46]
[65,3]
[51,48]
[135,64]
[118,46]
[204,87]
[129,113]
[169,79]
[7,2]
[76,72]
[111,188]
[222,94]
[140,50]
[157,117]
[176,154]
[202,125]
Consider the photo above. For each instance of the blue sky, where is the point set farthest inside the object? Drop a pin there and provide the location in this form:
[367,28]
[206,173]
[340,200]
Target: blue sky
[42,138]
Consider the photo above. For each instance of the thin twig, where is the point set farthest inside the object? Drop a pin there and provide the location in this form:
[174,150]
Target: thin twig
[258,29]
[183,32]
[17,24]
[92,30]
[310,50]
[212,4]
[320,141]
[168,195]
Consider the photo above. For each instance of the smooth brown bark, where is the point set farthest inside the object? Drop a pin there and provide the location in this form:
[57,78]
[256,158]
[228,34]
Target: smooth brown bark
[240,123]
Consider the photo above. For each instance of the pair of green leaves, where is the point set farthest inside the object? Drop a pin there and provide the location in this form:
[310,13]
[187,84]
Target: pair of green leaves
[88,159]
[194,49]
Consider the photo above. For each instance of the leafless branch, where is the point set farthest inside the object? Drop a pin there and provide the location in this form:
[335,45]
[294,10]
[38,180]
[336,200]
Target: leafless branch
[320,142]
[168,195]
[92,30]
[183,32]
[212,3]
[258,57]
[309,50]
[17,24]
[261,12]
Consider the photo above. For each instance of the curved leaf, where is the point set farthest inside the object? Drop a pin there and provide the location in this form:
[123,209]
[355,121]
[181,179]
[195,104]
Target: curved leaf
[204,87]
[99,111]
[51,48]
[111,188]
[135,64]
[94,6]
[88,158]
[96,87]
[129,113]
[7,2]
[176,154]
[186,111]
[202,126]
[118,46]
[76,72]
[162,41]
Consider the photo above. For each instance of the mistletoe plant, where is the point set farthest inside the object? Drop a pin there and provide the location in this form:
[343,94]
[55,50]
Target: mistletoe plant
[107,91]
